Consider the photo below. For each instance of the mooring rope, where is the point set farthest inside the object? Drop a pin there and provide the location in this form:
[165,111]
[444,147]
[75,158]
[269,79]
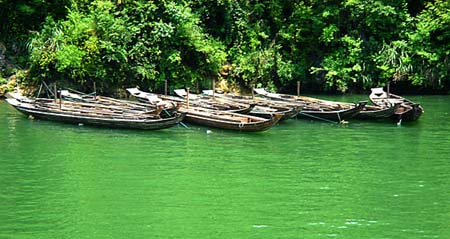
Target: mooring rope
[319,118]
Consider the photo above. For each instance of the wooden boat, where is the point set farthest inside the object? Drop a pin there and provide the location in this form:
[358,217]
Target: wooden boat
[316,108]
[91,114]
[205,102]
[268,112]
[168,107]
[214,118]
[229,120]
[263,108]
[406,111]
[372,112]
[368,112]
[194,101]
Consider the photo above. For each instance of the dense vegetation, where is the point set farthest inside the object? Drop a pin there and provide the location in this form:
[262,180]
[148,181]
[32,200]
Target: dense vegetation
[337,45]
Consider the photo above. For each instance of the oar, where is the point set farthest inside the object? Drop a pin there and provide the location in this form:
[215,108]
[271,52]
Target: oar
[181,123]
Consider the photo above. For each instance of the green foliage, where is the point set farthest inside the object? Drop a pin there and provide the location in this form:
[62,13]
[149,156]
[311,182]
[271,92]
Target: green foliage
[354,35]
[132,43]
[335,45]
[20,17]
[3,80]
[429,44]
[394,61]
[342,67]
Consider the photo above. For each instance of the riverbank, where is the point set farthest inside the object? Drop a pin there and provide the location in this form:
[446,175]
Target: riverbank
[399,88]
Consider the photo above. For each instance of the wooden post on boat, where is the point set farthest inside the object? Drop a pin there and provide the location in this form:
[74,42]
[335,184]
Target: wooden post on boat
[298,88]
[165,87]
[387,88]
[214,88]
[95,92]
[187,97]
[55,93]
[253,92]
[39,92]
[60,99]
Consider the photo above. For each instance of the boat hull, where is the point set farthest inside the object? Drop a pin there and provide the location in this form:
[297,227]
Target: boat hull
[406,111]
[110,122]
[337,116]
[229,121]
[313,108]
[286,113]
[377,113]
[263,107]
[413,113]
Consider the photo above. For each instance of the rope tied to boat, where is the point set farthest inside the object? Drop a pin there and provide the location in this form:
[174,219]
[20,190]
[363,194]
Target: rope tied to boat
[317,117]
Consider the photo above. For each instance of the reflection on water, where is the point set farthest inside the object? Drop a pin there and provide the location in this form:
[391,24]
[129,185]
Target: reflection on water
[301,179]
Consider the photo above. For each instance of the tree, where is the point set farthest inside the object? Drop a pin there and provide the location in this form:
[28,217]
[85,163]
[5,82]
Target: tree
[330,45]
[135,42]
[429,44]
[21,17]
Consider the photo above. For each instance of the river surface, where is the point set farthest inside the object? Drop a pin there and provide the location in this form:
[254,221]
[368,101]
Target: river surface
[300,179]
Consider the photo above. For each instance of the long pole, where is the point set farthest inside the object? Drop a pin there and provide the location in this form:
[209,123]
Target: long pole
[165,87]
[214,88]
[197,86]
[187,97]
[253,92]
[95,91]
[60,100]
[55,93]
[298,88]
[388,90]
[39,92]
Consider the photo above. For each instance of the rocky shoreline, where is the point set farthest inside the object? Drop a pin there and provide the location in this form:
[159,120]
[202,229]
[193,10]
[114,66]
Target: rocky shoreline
[7,87]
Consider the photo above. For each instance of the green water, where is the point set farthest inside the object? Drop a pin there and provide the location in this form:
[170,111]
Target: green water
[301,179]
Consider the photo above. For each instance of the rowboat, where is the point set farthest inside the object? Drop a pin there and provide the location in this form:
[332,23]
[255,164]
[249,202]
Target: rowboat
[91,114]
[205,102]
[263,108]
[228,120]
[406,111]
[316,108]
[168,108]
[369,112]
[194,101]
[212,117]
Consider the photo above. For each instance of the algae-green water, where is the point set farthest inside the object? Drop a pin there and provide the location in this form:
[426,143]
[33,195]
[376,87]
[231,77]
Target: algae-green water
[300,179]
